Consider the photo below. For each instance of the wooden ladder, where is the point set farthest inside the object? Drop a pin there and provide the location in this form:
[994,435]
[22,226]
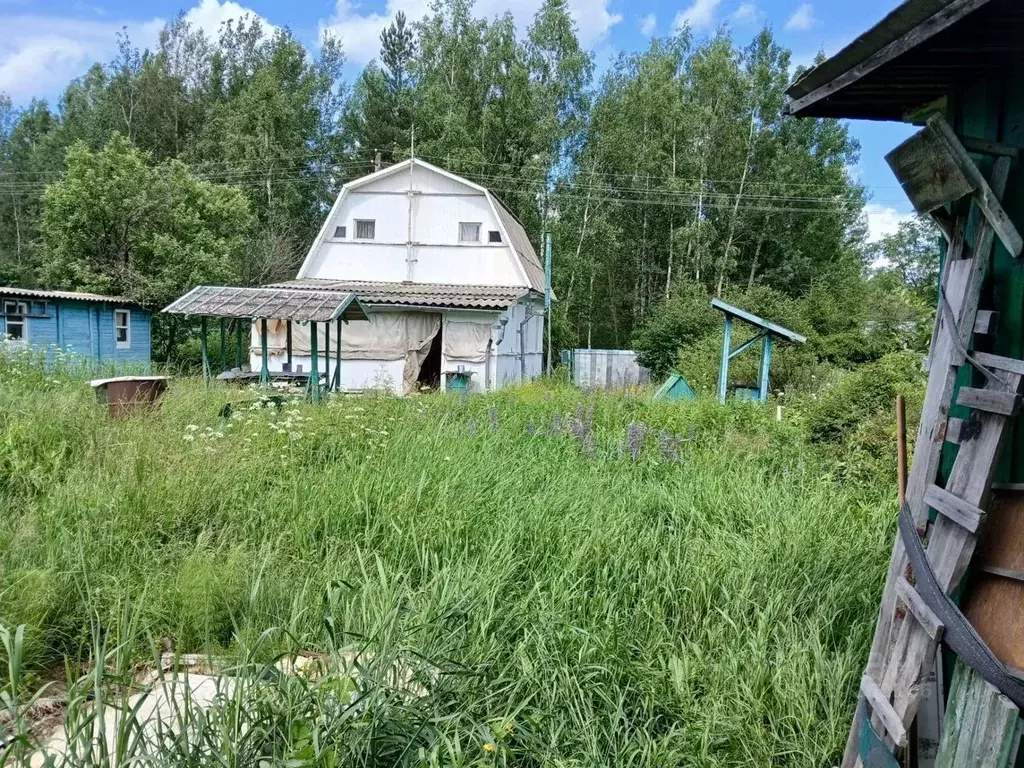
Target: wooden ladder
[908,634]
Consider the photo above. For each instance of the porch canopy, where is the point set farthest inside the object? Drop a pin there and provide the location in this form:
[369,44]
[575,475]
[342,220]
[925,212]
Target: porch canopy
[272,303]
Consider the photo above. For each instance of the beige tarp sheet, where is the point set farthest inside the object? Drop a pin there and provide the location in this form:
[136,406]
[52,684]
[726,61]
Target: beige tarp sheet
[388,336]
[466,342]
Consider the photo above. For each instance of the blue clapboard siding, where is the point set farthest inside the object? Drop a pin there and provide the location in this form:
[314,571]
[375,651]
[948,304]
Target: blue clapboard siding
[85,329]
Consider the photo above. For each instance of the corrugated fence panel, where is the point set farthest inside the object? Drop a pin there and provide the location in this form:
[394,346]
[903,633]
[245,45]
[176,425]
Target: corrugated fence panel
[607,369]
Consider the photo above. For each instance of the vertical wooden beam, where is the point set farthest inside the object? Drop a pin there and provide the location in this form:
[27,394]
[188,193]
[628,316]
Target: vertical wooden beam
[223,344]
[723,373]
[238,343]
[766,364]
[327,355]
[337,364]
[264,364]
[203,351]
[981,725]
[288,344]
[314,365]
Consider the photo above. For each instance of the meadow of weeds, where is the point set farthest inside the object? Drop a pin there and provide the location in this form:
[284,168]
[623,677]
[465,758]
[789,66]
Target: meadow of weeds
[588,579]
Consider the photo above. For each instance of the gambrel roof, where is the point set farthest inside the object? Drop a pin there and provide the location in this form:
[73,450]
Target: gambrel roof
[513,233]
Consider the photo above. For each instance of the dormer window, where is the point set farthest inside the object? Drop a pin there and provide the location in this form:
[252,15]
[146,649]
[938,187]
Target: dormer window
[339,233]
[469,231]
[494,236]
[366,229]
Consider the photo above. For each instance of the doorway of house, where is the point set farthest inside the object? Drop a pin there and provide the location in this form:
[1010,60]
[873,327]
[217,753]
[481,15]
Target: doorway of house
[430,371]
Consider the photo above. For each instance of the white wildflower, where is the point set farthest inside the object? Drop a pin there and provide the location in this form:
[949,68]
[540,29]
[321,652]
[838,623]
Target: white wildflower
[188,438]
[192,427]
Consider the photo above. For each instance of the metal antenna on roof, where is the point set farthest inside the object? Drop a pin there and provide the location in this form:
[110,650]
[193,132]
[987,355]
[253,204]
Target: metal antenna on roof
[412,142]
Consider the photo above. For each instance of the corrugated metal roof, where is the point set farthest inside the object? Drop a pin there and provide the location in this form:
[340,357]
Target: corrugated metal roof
[417,294]
[35,293]
[523,246]
[315,306]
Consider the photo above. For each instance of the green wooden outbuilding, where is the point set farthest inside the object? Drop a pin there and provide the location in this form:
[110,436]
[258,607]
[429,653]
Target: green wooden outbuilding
[955,68]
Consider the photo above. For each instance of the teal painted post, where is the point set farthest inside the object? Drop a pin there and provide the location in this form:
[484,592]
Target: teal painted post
[337,364]
[238,343]
[766,364]
[288,343]
[723,373]
[314,366]
[223,345]
[203,351]
[327,354]
[264,354]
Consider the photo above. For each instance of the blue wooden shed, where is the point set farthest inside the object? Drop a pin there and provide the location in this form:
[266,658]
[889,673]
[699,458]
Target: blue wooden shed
[107,331]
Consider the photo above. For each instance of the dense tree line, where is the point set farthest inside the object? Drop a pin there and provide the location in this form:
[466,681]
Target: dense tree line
[673,175]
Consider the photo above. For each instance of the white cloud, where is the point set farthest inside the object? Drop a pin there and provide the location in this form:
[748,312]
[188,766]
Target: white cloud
[700,15]
[649,24]
[360,32]
[883,220]
[802,19]
[40,54]
[747,13]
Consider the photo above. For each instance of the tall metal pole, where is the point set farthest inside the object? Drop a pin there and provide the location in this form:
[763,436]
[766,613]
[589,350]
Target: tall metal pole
[314,365]
[327,354]
[288,343]
[547,294]
[337,365]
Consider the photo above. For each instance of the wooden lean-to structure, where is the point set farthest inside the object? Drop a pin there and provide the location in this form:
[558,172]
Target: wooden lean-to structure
[943,685]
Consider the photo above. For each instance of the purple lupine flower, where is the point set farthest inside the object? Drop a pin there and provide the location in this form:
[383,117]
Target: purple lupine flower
[531,429]
[635,441]
[589,418]
[471,427]
[556,424]
[492,414]
[589,445]
[579,412]
[669,446]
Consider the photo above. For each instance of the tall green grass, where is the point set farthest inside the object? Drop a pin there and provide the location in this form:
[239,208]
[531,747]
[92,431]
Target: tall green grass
[597,579]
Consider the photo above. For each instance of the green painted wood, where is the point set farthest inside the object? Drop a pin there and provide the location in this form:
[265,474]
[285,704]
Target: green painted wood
[203,351]
[223,344]
[264,361]
[314,364]
[766,364]
[675,388]
[981,726]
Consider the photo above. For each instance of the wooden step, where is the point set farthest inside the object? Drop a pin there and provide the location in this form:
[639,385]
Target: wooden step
[956,509]
[989,400]
[883,710]
[931,623]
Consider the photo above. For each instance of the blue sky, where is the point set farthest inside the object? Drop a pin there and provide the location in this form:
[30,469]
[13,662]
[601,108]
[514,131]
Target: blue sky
[45,43]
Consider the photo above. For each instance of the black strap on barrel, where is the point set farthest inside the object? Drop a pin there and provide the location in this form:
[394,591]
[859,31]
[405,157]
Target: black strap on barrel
[959,634]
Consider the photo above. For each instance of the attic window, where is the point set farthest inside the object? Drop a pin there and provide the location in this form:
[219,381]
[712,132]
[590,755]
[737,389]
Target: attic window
[366,229]
[469,231]
[339,233]
[493,236]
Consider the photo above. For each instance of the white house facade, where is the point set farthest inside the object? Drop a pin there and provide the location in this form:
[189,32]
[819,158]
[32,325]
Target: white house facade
[447,274]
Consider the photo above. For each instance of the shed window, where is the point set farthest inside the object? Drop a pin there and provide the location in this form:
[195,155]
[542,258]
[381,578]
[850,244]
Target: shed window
[123,328]
[469,231]
[339,233]
[15,312]
[494,236]
[366,229]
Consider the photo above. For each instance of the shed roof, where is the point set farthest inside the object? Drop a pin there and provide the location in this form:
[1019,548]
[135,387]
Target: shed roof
[269,302]
[418,294]
[35,293]
[917,54]
[760,322]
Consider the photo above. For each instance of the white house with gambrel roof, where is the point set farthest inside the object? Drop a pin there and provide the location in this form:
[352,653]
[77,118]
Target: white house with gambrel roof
[447,273]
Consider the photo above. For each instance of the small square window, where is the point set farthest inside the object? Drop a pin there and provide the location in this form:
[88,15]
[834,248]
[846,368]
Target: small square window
[494,236]
[339,233]
[15,312]
[469,231]
[366,229]
[123,328]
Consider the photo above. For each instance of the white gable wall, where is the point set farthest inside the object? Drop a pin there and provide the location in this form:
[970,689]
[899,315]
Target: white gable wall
[439,205]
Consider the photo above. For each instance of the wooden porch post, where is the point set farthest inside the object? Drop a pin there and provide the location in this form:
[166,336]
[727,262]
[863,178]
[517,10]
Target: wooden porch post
[314,366]
[264,365]
[203,351]
[223,344]
[337,364]
[327,354]
[766,364]
[288,344]
[723,373]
